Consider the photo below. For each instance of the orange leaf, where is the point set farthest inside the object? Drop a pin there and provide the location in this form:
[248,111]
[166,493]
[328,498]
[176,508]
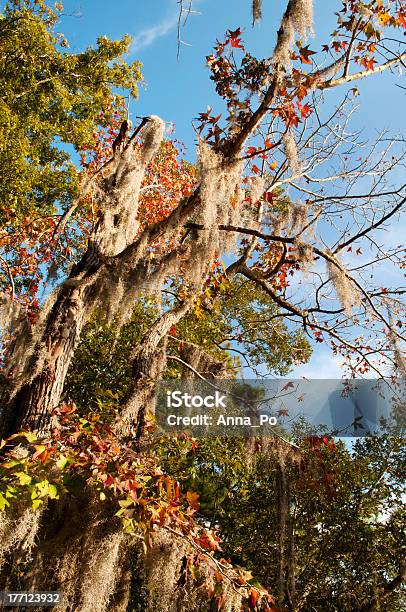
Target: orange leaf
[41,453]
[305,53]
[253,597]
[192,499]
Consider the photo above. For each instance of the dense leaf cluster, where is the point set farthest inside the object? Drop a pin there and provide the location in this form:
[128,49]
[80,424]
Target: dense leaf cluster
[51,101]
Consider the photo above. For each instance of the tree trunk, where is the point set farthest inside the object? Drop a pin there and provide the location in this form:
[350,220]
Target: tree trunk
[282,507]
[36,383]
[33,403]
[80,544]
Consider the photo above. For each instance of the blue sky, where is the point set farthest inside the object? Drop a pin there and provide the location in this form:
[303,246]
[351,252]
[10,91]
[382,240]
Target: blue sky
[178,90]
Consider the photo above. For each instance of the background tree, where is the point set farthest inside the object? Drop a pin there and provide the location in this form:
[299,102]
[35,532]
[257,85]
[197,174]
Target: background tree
[202,341]
[277,134]
[51,101]
[344,537]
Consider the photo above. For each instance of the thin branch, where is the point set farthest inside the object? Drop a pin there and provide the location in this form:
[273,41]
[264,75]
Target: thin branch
[371,227]
[362,74]
[350,47]
[189,367]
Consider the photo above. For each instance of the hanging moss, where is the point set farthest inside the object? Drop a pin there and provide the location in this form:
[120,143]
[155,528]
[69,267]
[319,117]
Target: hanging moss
[256,10]
[345,289]
[298,19]
[18,532]
[291,152]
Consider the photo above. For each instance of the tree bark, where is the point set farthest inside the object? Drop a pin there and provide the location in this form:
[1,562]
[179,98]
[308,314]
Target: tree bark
[33,389]
[33,403]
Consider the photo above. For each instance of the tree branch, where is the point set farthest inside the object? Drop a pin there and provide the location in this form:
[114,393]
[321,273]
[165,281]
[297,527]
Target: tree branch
[371,227]
[361,75]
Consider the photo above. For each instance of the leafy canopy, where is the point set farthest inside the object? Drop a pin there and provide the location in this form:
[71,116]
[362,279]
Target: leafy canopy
[346,522]
[50,101]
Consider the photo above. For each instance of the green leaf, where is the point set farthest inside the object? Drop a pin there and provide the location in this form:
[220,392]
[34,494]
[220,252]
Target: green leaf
[10,464]
[25,479]
[3,502]
[53,491]
[29,436]
[128,525]
[125,503]
[62,461]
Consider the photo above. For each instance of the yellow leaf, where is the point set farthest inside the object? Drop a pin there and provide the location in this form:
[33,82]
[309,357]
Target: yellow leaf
[53,491]
[62,461]
[3,502]
[384,18]
[24,478]
[192,499]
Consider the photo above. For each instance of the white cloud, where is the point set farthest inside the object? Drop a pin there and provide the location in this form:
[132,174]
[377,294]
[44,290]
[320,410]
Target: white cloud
[147,37]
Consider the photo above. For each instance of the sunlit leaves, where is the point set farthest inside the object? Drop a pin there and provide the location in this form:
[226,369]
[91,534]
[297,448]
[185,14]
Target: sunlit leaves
[85,453]
[48,96]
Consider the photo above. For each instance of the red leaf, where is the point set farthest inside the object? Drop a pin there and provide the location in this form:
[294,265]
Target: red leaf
[305,53]
[109,480]
[235,40]
[306,111]
[269,197]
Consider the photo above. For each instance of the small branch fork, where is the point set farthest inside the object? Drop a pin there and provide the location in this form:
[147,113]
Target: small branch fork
[188,12]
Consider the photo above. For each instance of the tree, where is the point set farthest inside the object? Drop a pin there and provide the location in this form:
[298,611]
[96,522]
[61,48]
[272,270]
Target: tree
[290,252]
[200,341]
[333,490]
[49,96]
